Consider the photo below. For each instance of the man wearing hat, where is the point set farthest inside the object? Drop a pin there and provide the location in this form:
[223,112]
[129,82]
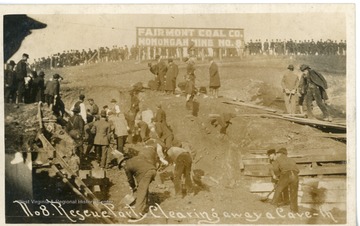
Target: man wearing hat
[92,111]
[75,128]
[214,78]
[102,130]
[52,90]
[140,173]
[134,101]
[316,90]
[290,84]
[80,103]
[115,108]
[21,73]
[160,115]
[39,85]
[10,82]
[159,69]
[190,69]
[119,126]
[288,179]
[275,174]
[171,75]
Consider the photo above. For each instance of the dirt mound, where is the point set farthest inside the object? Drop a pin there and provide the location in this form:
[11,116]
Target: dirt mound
[218,156]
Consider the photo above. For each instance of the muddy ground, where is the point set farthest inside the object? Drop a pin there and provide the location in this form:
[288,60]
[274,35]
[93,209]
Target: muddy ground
[224,196]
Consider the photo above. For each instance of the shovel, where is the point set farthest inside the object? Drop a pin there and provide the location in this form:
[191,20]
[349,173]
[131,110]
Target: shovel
[264,199]
[128,199]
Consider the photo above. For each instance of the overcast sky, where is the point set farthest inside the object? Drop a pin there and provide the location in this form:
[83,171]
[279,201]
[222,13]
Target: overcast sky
[66,32]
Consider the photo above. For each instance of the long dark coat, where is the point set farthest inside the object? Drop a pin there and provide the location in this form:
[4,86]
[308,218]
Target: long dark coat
[171,75]
[214,76]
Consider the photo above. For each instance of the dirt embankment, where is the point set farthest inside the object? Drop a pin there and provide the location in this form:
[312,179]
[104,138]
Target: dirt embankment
[255,80]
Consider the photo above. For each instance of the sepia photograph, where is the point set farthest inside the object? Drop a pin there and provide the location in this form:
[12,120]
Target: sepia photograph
[178,114]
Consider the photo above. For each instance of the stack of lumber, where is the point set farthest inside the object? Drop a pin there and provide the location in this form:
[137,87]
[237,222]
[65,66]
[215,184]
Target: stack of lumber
[313,192]
[309,165]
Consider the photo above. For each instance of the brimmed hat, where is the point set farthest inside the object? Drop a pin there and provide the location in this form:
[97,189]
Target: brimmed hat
[303,67]
[82,97]
[170,60]
[90,99]
[113,101]
[12,63]
[56,76]
[25,55]
[270,151]
[291,67]
[282,150]
[41,73]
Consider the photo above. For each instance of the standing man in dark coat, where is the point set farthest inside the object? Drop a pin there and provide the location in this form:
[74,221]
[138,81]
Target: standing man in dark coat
[316,89]
[171,75]
[214,78]
[134,101]
[32,87]
[102,130]
[53,90]
[288,178]
[75,128]
[159,70]
[275,175]
[160,115]
[39,83]
[21,73]
[10,82]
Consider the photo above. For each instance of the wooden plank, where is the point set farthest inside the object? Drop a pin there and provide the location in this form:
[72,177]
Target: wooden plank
[336,184]
[261,187]
[250,105]
[332,135]
[299,151]
[306,159]
[40,116]
[324,170]
[322,158]
[311,122]
[304,171]
[264,156]
[295,115]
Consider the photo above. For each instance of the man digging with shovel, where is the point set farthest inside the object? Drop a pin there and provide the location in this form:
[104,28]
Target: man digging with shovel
[275,174]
